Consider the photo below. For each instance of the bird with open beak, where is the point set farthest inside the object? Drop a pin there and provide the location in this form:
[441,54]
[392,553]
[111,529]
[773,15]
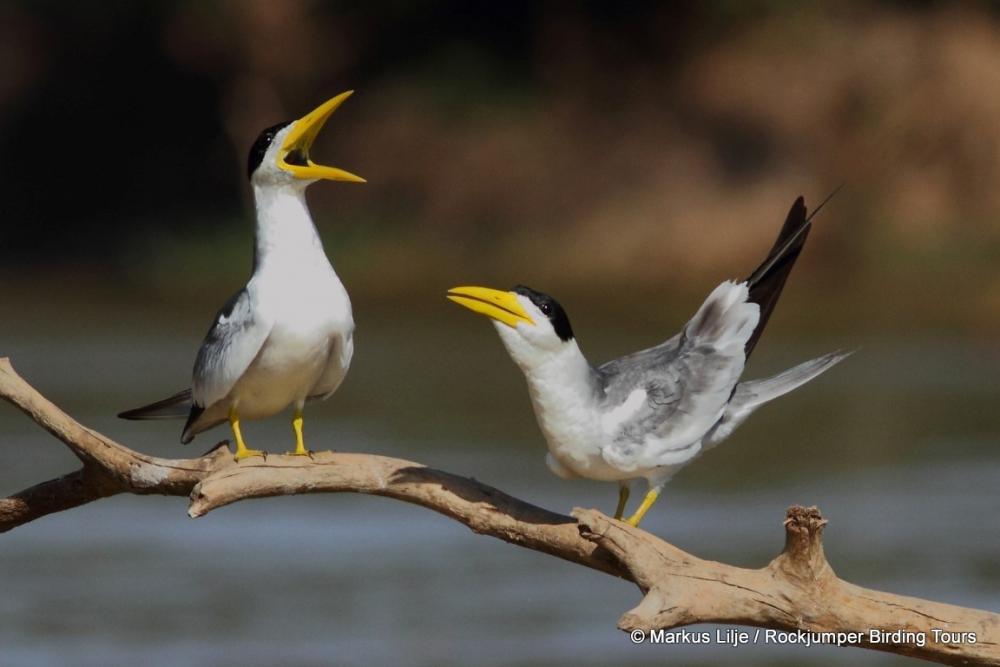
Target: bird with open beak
[286,337]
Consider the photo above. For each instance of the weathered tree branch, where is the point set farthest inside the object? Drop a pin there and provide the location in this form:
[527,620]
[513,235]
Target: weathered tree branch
[797,591]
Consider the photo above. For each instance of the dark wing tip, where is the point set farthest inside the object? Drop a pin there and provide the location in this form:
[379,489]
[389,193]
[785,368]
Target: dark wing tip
[767,281]
[796,216]
[172,407]
[187,435]
[826,201]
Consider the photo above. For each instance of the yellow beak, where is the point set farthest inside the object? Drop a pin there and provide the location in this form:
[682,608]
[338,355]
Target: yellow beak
[501,306]
[294,154]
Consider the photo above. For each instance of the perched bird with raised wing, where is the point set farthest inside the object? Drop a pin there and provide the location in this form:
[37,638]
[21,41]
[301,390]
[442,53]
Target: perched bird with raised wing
[287,336]
[647,414]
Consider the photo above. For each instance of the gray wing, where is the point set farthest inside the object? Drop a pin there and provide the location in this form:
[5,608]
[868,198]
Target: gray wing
[230,346]
[661,401]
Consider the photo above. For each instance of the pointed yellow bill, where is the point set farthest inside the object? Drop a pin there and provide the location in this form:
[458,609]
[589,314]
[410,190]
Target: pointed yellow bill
[500,306]
[294,154]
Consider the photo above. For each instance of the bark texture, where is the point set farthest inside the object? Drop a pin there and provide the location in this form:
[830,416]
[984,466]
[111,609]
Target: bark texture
[797,591]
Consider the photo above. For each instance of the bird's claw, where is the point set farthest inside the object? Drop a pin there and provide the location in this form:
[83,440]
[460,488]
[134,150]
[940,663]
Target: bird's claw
[304,452]
[248,453]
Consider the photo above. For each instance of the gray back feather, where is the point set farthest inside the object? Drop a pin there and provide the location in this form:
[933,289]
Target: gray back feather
[688,379]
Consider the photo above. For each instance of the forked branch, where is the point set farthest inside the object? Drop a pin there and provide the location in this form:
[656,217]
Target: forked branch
[797,591]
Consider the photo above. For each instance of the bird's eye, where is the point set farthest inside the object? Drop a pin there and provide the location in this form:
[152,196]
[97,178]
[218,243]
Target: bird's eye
[546,309]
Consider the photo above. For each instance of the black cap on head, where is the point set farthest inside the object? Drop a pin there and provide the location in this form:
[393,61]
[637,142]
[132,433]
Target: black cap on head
[550,308]
[259,148]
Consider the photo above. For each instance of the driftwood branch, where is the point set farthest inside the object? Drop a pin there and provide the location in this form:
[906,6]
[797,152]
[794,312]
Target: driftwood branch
[796,592]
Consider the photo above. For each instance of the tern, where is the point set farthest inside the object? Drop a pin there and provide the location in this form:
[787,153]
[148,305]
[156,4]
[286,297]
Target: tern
[647,414]
[287,336]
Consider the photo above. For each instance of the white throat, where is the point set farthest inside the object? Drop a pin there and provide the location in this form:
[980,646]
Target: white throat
[285,232]
[565,394]
[561,374]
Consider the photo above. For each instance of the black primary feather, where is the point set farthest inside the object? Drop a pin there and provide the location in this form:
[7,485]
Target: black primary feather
[768,279]
[196,411]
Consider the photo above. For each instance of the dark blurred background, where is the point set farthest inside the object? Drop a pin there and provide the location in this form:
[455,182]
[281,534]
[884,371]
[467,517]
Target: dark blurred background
[563,142]
[625,157]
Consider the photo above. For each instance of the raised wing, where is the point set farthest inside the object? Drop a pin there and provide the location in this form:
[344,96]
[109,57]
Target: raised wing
[660,402]
[230,346]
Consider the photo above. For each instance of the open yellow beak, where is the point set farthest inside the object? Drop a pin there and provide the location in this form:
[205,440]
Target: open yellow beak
[501,306]
[294,154]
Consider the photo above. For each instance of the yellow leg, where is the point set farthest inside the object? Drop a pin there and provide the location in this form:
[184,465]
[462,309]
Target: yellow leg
[647,502]
[241,448]
[300,443]
[623,493]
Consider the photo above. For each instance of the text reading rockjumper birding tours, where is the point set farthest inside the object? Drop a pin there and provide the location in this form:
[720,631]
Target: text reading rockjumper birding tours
[738,637]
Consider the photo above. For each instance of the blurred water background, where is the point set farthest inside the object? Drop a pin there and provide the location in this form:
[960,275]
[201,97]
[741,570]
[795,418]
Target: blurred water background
[623,159]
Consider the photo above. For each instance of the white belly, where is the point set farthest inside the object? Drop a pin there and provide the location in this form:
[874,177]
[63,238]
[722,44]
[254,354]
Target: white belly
[585,461]
[592,455]
[307,351]
[284,372]
[583,441]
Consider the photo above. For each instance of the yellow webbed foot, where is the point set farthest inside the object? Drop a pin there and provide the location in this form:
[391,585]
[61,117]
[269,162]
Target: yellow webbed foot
[300,452]
[241,447]
[244,453]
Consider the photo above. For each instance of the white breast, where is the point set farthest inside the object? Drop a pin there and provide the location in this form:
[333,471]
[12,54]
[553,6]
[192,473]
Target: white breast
[310,315]
[567,412]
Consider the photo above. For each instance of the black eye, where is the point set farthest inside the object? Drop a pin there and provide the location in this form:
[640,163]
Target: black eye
[546,308]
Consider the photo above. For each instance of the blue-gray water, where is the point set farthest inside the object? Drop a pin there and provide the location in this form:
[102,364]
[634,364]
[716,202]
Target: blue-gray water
[897,446]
